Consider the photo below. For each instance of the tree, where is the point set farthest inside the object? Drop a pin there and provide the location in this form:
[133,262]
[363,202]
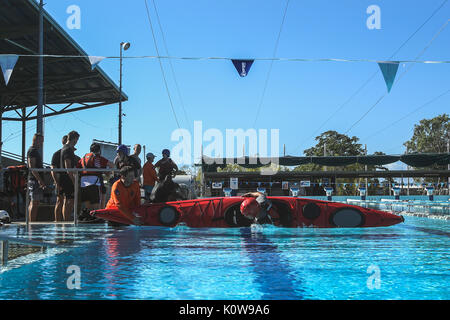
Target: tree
[336,144]
[430,135]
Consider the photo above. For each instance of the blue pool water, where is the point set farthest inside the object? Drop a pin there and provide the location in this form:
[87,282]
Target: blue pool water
[411,260]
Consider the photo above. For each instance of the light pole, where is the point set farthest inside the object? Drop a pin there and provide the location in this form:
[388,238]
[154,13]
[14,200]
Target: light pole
[123,46]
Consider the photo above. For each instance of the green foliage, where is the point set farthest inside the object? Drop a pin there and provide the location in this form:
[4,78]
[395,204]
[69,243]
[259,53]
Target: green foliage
[237,168]
[336,145]
[430,135]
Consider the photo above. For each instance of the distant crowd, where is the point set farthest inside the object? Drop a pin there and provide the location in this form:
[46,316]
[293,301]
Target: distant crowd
[126,184]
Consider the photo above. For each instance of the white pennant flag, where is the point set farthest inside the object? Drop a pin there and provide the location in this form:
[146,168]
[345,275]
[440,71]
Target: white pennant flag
[7,63]
[95,60]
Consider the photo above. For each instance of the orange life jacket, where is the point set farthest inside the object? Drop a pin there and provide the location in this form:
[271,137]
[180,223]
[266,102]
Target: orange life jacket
[88,162]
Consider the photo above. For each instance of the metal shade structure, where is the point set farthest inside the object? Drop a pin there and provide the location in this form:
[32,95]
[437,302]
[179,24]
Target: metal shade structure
[69,83]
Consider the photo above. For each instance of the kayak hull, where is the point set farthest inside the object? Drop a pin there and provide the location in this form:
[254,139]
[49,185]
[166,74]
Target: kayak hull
[224,212]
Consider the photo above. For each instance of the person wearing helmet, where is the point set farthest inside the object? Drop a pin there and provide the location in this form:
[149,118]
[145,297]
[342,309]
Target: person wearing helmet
[150,176]
[124,159]
[165,166]
[257,207]
[92,185]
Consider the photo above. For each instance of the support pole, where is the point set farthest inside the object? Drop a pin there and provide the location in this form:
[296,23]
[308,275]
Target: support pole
[27,201]
[365,169]
[407,169]
[24,126]
[120,98]
[75,201]
[40,104]
[1,141]
[448,166]
[145,155]
[4,246]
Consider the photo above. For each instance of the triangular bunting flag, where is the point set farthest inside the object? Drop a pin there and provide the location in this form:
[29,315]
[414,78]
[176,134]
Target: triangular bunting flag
[242,66]
[389,70]
[95,60]
[7,64]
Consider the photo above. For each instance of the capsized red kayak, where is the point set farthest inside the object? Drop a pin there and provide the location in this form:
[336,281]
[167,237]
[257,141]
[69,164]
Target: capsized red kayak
[224,212]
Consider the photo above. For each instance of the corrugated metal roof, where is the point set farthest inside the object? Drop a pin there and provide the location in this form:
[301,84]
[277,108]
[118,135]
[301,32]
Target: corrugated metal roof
[66,80]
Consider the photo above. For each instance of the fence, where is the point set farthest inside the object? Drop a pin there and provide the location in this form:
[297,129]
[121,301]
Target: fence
[76,172]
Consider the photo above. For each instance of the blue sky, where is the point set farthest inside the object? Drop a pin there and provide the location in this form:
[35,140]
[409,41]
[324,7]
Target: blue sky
[300,96]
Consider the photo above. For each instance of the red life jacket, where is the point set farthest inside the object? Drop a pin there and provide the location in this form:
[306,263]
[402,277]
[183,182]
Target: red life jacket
[16,180]
[88,162]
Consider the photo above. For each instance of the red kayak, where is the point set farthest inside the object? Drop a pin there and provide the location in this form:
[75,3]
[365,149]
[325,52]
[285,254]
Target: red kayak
[224,212]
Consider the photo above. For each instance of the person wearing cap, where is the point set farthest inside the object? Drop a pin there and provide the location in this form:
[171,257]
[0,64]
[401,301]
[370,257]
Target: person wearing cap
[123,159]
[126,195]
[257,207]
[150,176]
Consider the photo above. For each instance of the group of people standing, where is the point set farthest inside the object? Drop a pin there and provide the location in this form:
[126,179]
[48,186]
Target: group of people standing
[92,187]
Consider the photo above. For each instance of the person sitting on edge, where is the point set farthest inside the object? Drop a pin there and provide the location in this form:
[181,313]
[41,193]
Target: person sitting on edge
[123,159]
[150,176]
[165,166]
[126,195]
[257,207]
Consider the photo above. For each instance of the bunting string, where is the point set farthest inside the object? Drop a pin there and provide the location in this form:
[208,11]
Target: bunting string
[231,59]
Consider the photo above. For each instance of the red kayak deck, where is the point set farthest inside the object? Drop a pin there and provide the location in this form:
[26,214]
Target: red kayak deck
[224,212]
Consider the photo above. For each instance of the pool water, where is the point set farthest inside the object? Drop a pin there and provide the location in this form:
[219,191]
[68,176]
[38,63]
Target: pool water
[405,261]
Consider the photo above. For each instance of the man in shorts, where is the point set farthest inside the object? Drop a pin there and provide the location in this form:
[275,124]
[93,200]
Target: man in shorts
[36,184]
[56,163]
[67,180]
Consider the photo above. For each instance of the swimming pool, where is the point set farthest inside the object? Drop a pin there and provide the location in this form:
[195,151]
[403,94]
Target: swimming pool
[436,208]
[405,261]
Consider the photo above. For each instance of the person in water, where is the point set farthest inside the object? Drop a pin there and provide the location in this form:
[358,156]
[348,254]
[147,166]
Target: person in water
[258,208]
[126,195]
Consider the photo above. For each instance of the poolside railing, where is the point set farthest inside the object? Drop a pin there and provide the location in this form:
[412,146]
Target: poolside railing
[76,172]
